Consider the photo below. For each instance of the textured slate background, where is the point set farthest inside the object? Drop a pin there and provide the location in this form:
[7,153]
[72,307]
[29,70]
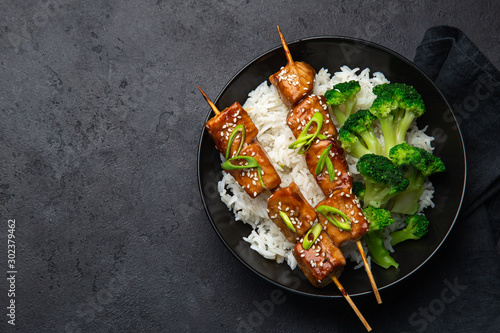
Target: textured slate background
[100,122]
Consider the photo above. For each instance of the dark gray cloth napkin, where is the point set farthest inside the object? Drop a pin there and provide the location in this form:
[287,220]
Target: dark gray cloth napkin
[471,84]
[458,290]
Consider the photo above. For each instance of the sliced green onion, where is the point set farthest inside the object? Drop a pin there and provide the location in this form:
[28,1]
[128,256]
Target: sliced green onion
[259,174]
[305,140]
[324,159]
[287,221]
[315,231]
[331,169]
[251,163]
[238,129]
[328,211]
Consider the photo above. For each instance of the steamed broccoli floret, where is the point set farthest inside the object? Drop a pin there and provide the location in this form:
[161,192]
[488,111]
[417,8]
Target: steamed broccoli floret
[358,189]
[357,136]
[417,164]
[417,226]
[383,180]
[343,94]
[396,106]
[379,219]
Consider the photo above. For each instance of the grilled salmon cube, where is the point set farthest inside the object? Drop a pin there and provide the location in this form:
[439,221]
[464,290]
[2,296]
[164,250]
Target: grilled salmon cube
[290,201]
[221,126]
[301,114]
[321,261]
[342,177]
[248,178]
[293,82]
[346,202]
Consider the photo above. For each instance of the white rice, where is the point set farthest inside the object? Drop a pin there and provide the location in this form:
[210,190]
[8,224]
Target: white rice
[269,115]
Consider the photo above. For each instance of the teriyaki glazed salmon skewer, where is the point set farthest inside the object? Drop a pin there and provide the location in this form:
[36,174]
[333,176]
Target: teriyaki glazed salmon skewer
[224,128]
[316,139]
[317,256]
[235,135]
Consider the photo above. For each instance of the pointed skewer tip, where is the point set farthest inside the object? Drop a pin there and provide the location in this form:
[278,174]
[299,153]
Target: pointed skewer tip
[285,47]
[351,303]
[369,272]
[209,101]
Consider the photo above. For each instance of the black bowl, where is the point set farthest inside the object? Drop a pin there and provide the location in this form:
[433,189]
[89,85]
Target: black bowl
[332,53]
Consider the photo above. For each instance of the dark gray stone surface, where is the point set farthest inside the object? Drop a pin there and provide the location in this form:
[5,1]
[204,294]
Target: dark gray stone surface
[100,122]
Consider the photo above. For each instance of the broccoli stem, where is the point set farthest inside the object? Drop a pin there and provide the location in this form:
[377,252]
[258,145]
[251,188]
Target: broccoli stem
[339,115]
[387,125]
[376,195]
[379,254]
[371,142]
[402,235]
[403,125]
[350,103]
[357,150]
[406,202]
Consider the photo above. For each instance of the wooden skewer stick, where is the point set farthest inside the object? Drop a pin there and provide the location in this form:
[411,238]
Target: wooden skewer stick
[285,47]
[369,272]
[212,105]
[351,303]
